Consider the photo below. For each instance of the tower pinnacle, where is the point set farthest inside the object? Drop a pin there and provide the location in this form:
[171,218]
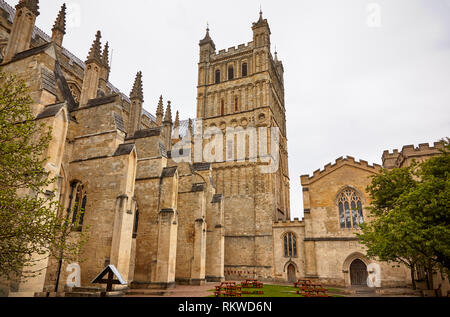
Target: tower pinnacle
[160,112]
[32,5]
[59,28]
[168,116]
[207,39]
[137,91]
[95,52]
[60,23]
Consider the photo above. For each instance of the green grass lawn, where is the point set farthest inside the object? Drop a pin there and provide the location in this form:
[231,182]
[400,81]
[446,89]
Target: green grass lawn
[279,291]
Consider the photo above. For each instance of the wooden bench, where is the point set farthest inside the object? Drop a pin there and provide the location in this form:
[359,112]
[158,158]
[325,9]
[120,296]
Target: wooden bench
[250,283]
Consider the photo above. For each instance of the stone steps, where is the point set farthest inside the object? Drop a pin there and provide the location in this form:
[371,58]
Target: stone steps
[93,292]
[148,292]
[399,291]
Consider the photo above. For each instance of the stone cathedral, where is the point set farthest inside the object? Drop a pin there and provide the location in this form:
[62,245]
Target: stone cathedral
[157,213]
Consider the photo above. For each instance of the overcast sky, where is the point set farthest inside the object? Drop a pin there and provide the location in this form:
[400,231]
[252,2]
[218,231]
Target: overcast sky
[360,76]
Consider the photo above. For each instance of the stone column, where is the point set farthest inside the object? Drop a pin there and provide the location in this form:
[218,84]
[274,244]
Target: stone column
[215,249]
[198,263]
[167,249]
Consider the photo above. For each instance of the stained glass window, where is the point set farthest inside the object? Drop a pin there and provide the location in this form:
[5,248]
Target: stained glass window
[290,245]
[350,209]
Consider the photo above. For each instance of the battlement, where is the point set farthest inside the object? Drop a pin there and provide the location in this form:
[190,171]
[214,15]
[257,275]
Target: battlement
[287,223]
[408,149]
[241,48]
[394,159]
[388,155]
[306,179]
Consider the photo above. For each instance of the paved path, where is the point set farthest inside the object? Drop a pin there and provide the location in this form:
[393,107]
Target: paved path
[183,291]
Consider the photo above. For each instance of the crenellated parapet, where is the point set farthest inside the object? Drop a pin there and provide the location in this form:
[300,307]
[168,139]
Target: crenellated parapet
[289,223]
[240,49]
[398,158]
[330,167]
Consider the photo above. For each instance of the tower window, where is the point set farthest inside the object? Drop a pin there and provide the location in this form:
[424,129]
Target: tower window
[217,76]
[230,73]
[350,209]
[290,245]
[244,69]
[222,107]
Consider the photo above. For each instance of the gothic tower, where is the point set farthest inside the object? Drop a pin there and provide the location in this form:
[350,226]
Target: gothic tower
[243,87]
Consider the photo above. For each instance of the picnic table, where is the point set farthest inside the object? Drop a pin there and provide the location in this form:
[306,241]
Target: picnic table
[308,289]
[228,289]
[252,283]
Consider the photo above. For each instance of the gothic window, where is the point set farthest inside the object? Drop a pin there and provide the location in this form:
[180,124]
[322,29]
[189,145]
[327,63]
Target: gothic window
[244,69]
[217,76]
[236,104]
[78,208]
[222,107]
[136,223]
[290,245]
[350,209]
[230,73]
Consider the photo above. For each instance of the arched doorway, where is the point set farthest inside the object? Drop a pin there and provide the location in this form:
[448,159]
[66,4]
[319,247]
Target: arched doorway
[358,273]
[292,277]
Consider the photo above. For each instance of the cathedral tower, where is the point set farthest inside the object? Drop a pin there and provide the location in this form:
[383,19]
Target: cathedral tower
[243,88]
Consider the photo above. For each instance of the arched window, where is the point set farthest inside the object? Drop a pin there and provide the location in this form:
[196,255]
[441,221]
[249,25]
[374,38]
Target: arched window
[244,69]
[230,73]
[136,223]
[290,245]
[217,76]
[78,209]
[222,107]
[236,104]
[350,209]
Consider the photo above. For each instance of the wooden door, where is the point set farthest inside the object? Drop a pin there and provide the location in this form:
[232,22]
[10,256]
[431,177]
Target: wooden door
[292,277]
[358,273]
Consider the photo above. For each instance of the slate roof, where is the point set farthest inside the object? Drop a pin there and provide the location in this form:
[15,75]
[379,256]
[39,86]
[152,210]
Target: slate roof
[183,129]
[119,122]
[124,149]
[169,171]
[50,111]
[145,133]
[217,198]
[201,166]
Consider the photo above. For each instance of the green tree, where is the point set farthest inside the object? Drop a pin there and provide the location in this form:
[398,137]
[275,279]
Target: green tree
[30,228]
[410,213]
